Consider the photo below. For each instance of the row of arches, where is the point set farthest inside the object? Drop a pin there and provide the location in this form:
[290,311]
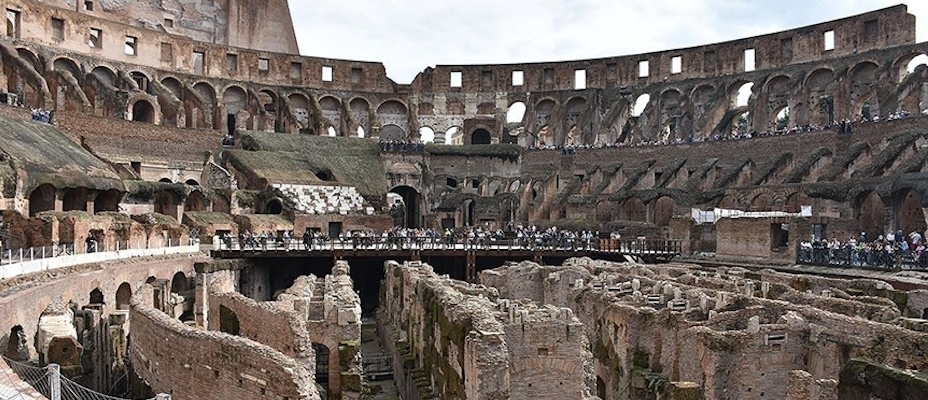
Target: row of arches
[46,197]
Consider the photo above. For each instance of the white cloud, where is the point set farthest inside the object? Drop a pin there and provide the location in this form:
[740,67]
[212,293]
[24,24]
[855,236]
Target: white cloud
[408,36]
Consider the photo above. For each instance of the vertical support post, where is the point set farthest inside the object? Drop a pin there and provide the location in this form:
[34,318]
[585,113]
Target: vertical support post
[54,382]
[470,268]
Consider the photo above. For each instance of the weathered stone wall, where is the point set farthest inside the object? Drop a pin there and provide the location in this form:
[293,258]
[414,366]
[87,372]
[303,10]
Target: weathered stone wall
[736,334]
[473,346]
[174,358]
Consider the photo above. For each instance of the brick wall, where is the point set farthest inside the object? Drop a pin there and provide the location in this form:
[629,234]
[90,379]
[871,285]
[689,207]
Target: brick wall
[195,364]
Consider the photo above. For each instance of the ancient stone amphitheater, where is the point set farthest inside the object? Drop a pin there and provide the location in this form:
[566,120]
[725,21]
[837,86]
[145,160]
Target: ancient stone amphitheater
[143,142]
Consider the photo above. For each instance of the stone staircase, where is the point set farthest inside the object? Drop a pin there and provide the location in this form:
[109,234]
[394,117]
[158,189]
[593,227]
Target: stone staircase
[312,199]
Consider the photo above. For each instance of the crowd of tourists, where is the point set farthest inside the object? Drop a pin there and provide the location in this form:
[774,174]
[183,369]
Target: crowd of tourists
[892,250]
[846,126]
[41,115]
[411,238]
[402,146]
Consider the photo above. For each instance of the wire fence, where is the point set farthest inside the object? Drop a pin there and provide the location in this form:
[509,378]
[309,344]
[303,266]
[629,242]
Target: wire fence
[48,382]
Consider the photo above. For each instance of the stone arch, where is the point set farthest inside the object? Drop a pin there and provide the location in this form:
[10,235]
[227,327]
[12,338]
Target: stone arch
[641,104]
[663,211]
[69,72]
[268,104]
[393,112]
[331,110]
[74,199]
[671,118]
[180,283]
[360,110]
[633,209]
[96,297]
[300,111]
[762,202]
[516,113]
[142,80]
[42,198]
[107,201]
[166,203]
[411,203]
[200,106]
[195,201]
[228,321]
[869,212]
[740,93]
[604,211]
[392,132]
[273,206]
[906,64]
[455,107]
[480,136]
[123,296]
[575,107]
[908,212]
[729,202]
[234,101]
[453,135]
[104,75]
[863,79]
[817,88]
[426,134]
[514,186]
[141,110]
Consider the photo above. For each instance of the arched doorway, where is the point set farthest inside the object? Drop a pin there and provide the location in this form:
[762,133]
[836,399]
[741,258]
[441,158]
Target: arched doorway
[870,214]
[107,201]
[123,296]
[322,367]
[410,205]
[195,202]
[42,199]
[166,204]
[908,212]
[663,211]
[480,136]
[179,283]
[469,208]
[143,111]
[96,297]
[392,133]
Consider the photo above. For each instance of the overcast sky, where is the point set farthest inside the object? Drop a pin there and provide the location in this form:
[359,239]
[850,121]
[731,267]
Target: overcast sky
[410,35]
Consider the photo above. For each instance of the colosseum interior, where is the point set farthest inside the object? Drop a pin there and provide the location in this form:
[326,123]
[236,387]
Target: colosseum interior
[192,210]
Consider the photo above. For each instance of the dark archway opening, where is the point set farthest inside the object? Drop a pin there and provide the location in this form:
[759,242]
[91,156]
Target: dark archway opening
[123,295]
[228,321]
[470,207]
[142,111]
[192,182]
[75,200]
[107,201]
[230,124]
[322,366]
[325,175]
[179,283]
[480,136]
[96,297]
[165,180]
[42,199]
[195,202]
[410,206]
[165,204]
[274,207]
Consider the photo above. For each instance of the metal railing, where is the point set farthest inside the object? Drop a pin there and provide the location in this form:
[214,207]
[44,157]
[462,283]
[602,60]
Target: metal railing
[272,244]
[48,382]
[23,261]
[863,258]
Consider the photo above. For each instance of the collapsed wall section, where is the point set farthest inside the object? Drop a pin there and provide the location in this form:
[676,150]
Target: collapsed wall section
[197,364]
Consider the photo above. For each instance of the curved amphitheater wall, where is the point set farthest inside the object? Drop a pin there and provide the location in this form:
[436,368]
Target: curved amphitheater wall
[24,299]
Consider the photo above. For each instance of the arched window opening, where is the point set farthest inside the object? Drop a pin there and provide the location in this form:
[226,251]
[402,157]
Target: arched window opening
[179,283]
[451,182]
[921,59]
[744,94]
[192,182]
[165,180]
[640,104]
[516,113]
[361,132]
[426,134]
[392,133]
[453,136]
[782,121]
[331,131]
